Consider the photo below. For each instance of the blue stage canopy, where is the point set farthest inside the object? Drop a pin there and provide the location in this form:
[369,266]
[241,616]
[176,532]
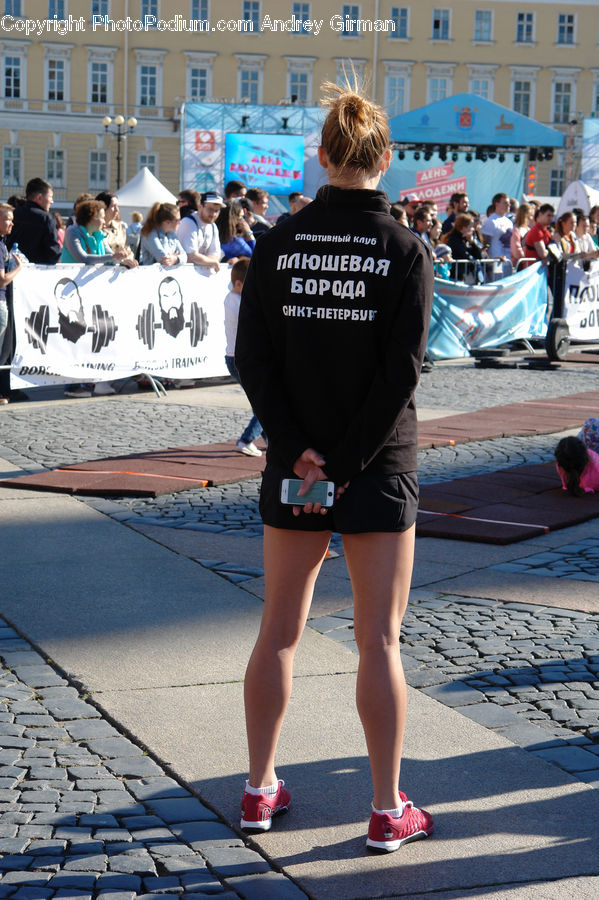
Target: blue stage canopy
[468,120]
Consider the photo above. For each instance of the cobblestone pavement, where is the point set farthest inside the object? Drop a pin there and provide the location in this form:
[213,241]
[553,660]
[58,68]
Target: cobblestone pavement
[579,561]
[529,672]
[85,813]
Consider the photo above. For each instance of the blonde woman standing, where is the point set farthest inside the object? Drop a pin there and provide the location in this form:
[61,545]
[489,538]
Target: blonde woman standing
[332,334]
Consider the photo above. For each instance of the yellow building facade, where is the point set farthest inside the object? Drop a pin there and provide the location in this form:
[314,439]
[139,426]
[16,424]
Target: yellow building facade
[66,64]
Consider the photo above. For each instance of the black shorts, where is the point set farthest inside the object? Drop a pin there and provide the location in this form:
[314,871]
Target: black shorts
[372,502]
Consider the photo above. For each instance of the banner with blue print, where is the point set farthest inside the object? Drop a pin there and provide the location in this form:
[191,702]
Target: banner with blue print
[467,317]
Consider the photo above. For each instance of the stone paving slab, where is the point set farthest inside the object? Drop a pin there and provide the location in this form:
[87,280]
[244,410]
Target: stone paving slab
[493,802]
[170,630]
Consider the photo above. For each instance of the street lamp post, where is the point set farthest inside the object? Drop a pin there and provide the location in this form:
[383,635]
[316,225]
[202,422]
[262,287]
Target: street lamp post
[120,134]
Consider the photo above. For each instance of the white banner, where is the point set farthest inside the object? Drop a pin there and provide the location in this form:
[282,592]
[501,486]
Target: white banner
[581,302]
[100,323]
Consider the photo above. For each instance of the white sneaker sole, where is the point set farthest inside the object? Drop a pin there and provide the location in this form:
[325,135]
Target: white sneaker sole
[390,846]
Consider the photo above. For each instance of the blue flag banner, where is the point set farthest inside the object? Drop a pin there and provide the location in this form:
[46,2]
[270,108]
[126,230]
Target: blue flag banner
[467,317]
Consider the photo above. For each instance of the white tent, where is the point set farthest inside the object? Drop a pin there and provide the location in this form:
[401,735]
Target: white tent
[578,194]
[141,192]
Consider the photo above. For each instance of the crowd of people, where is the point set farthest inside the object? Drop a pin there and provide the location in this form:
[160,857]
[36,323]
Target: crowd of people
[473,248]
[212,230]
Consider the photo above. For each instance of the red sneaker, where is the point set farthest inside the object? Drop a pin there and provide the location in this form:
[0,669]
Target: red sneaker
[385,833]
[257,810]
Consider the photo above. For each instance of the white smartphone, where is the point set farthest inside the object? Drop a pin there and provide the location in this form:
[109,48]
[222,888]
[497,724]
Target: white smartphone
[322,492]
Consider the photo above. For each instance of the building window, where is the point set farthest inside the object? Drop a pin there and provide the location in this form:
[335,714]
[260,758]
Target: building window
[12,77]
[399,17]
[12,168]
[99,7]
[522,97]
[13,8]
[481,87]
[148,85]
[395,95]
[99,82]
[483,25]
[350,13]
[149,161]
[437,89]
[441,25]
[198,83]
[557,182]
[562,101]
[249,85]
[596,98]
[525,28]
[56,80]
[250,12]
[300,13]
[55,167]
[56,9]
[565,29]
[199,12]
[149,8]
[98,168]
[299,87]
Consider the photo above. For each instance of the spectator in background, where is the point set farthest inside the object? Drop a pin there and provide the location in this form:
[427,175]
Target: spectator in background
[252,432]
[114,229]
[522,225]
[411,203]
[60,227]
[188,201]
[236,237]
[134,233]
[16,200]
[34,226]
[441,252]
[585,241]
[293,197]
[497,232]
[259,200]
[539,236]
[159,241]
[459,204]
[594,219]
[301,202]
[198,232]
[432,208]
[234,189]
[422,223]
[6,279]
[565,236]
[80,199]
[398,212]
[513,210]
[85,241]
[464,249]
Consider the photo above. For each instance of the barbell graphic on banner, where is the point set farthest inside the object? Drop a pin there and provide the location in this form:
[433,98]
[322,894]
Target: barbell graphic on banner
[147,325]
[103,328]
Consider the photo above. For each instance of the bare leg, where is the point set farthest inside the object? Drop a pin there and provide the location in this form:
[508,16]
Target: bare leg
[380,567]
[292,560]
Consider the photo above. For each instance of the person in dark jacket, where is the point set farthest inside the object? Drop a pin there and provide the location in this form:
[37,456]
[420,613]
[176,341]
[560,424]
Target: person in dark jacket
[34,228]
[332,333]
[462,243]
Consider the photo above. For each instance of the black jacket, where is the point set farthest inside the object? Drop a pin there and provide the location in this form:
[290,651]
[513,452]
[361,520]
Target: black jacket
[332,332]
[34,230]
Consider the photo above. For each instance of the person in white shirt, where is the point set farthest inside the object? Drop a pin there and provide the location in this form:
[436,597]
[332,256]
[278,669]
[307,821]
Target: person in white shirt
[497,232]
[198,233]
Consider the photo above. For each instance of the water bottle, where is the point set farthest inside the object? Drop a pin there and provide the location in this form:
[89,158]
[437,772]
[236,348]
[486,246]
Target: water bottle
[12,262]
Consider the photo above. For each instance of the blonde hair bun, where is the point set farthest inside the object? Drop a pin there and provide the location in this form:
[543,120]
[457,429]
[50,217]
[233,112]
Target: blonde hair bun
[356,131]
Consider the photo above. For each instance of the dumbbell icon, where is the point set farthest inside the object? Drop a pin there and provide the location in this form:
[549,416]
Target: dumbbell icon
[147,326]
[103,328]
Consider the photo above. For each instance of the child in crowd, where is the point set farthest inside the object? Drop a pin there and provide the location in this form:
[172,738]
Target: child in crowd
[245,444]
[577,460]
